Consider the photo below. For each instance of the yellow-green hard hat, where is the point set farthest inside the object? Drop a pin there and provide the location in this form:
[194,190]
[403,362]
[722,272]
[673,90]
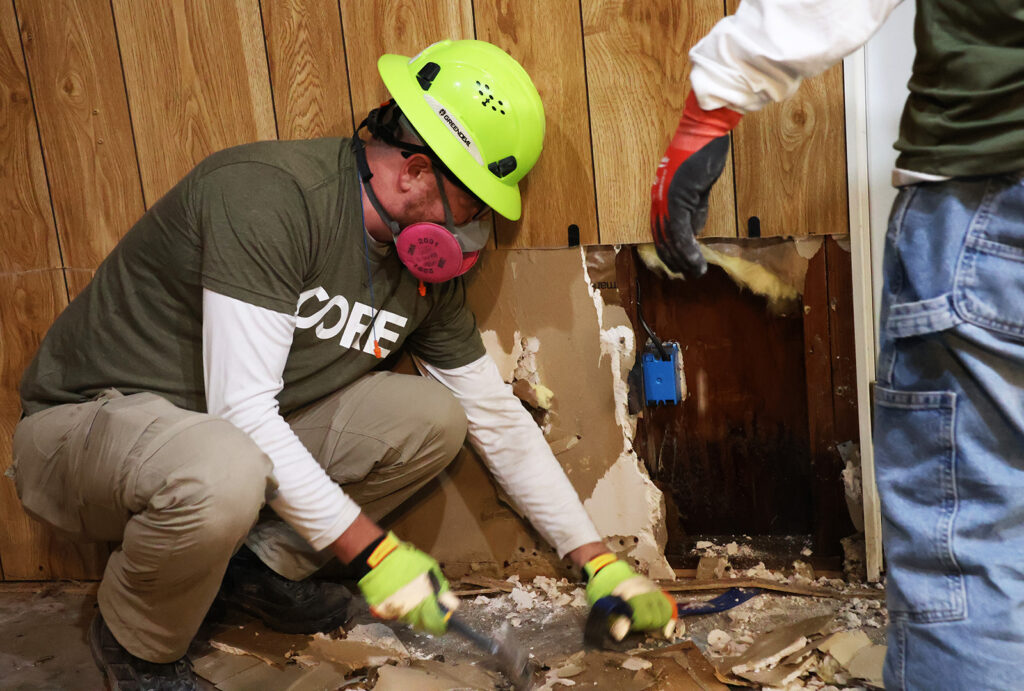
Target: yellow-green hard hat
[477,109]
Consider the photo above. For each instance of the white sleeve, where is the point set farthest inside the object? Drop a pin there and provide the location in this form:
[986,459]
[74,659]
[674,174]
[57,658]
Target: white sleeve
[245,348]
[763,51]
[516,453]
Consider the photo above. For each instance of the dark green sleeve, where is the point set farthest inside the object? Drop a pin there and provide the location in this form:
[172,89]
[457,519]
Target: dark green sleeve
[255,233]
[448,337]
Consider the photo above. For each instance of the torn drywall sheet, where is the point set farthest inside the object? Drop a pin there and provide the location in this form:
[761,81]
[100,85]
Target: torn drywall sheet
[849,453]
[625,502]
[505,360]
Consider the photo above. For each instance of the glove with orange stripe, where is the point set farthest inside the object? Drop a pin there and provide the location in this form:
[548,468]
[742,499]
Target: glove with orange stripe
[692,163]
[403,583]
[653,609]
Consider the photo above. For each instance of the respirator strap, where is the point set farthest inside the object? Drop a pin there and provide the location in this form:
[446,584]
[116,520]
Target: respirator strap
[365,174]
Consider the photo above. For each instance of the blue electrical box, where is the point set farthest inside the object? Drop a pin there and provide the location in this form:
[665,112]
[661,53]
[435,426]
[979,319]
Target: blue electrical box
[661,379]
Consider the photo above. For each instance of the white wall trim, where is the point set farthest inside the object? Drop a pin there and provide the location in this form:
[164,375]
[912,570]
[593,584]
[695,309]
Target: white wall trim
[855,88]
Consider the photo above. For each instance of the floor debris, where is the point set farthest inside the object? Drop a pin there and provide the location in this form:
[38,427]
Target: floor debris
[795,633]
[804,654]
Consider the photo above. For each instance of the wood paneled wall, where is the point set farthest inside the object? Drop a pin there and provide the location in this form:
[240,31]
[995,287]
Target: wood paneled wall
[105,104]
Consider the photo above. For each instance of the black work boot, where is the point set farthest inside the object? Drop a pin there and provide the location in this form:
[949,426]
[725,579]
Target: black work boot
[283,604]
[125,672]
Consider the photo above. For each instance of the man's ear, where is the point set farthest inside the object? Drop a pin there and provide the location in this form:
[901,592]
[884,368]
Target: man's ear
[417,172]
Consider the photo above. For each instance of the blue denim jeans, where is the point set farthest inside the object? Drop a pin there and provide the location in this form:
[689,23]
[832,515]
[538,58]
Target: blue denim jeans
[949,435]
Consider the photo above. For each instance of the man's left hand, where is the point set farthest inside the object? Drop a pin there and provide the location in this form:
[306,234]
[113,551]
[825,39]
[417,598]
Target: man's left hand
[652,608]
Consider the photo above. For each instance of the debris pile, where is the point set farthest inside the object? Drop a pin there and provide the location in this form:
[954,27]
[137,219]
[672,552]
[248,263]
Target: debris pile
[808,654]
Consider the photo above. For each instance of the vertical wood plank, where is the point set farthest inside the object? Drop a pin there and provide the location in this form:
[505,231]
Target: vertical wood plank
[831,388]
[636,63]
[790,161]
[71,50]
[26,218]
[307,68]
[77,280]
[547,40]
[29,302]
[197,80]
[404,27]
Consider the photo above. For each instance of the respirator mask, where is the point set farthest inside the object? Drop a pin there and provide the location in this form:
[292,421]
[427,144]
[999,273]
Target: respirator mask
[431,252]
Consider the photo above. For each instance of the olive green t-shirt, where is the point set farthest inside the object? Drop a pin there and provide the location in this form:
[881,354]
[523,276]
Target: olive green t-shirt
[274,224]
[965,112]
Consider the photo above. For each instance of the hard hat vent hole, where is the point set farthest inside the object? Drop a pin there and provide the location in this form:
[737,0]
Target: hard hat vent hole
[488,98]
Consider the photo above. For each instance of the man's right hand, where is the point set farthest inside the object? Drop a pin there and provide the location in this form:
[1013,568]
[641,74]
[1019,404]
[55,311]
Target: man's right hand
[406,584]
[692,163]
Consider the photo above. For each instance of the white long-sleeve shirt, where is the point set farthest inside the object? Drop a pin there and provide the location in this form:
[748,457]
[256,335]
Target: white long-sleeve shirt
[763,51]
[245,348]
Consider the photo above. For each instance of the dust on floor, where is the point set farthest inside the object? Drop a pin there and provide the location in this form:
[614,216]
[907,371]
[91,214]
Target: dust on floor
[44,644]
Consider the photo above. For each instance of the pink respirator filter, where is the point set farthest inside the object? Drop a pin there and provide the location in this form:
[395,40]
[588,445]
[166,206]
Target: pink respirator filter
[432,254]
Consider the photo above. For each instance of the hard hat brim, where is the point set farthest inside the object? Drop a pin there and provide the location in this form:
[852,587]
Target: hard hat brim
[503,198]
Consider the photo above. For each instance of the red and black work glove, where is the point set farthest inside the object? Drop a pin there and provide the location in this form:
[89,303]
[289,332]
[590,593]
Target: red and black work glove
[679,196]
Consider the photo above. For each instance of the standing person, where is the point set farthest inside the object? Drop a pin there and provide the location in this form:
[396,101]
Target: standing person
[234,348]
[949,400]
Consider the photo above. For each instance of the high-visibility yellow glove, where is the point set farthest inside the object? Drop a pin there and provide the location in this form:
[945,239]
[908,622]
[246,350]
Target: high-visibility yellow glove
[406,584]
[652,608]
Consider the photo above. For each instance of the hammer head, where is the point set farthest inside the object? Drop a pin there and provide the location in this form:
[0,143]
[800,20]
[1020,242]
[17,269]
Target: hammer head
[609,619]
[512,658]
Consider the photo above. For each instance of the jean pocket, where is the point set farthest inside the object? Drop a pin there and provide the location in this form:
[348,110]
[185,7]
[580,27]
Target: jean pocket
[916,473]
[989,281]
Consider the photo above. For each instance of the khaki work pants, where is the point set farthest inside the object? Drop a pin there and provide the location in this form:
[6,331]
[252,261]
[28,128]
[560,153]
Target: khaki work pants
[181,491]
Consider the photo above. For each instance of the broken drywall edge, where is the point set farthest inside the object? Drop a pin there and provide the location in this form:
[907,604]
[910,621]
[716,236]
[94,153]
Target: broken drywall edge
[506,360]
[868,664]
[625,501]
[618,343]
[845,645]
[849,453]
[807,247]
[526,365]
